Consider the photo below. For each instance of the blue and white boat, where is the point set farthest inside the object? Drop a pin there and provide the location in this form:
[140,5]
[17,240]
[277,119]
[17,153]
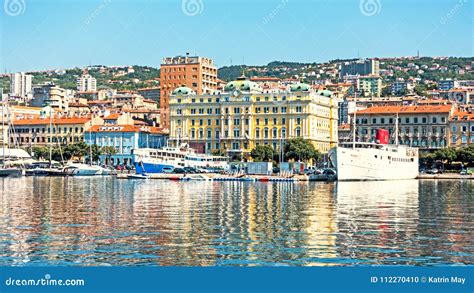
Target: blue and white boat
[166,159]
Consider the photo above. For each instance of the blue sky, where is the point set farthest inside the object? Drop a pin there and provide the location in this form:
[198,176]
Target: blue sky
[49,34]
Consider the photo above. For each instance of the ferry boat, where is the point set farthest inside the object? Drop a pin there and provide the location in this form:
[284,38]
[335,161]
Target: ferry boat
[164,160]
[374,161]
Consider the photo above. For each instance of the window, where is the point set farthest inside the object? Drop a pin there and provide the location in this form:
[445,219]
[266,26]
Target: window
[298,131]
[298,120]
[283,109]
[283,121]
[464,128]
[236,110]
[265,133]
[257,132]
[382,120]
[257,121]
[236,121]
[415,120]
[407,120]
[454,129]
[464,139]
[298,109]
[454,138]
[275,132]
[274,121]
[236,133]
[209,133]
[434,120]
[217,133]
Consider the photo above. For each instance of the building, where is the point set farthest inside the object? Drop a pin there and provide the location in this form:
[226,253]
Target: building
[401,87]
[30,132]
[461,128]
[369,86]
[152,93]
[447,84]
[86,83]
[345,108]
[360,67]
[196,73]
[424,126]
[344,133]
[124,138]
[244,116]
[20,85]
[50,94]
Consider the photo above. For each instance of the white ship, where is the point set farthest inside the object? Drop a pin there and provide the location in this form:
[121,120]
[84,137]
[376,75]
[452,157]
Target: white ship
[374,161]
[166,159]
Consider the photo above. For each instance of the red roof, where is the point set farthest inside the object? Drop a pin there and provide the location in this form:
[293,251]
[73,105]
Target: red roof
[462,116]
[406,109]
[263,78]
[46,121]
[113,116]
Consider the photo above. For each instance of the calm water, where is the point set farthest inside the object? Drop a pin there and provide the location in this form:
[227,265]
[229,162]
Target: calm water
[105,221]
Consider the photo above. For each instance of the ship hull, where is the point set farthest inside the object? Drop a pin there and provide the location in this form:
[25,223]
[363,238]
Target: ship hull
[386,163]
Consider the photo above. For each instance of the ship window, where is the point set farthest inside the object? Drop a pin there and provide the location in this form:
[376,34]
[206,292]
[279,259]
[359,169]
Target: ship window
[376,156]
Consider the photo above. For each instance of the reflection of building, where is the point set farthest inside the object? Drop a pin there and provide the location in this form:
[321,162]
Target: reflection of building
[197,73]
[461,129]
[245,116]
[419,126]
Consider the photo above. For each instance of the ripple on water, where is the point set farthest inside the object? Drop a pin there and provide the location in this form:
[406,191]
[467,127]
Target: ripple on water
[104,221]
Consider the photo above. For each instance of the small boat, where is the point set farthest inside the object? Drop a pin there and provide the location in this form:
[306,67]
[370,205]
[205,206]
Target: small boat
[82,170]
[11,172]
[138,176]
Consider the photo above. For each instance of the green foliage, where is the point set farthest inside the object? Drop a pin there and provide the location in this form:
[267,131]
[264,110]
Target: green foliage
[262,153]
[449,156]
[219,152]
[300,149]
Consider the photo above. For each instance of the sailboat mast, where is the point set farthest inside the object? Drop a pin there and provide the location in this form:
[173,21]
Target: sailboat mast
[90,146]
[50,137]
[3,132]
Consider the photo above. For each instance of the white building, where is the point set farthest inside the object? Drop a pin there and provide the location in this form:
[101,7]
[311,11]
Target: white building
[86,83]
[20,84]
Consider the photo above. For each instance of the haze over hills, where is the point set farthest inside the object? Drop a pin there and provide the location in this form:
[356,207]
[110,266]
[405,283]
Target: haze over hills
[136,76]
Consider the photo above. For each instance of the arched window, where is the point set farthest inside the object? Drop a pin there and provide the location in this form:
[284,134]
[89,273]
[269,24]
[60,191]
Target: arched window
[265,132]
[298,131]
[193,133]
[275,132]
[257,132]
[283,132]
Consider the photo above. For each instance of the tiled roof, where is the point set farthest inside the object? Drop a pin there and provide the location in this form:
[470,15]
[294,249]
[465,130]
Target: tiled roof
[462,116]
[406,109]
[46,121]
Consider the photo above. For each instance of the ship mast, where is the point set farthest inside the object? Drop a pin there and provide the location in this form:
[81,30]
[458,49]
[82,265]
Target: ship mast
[354,122]
[396,129]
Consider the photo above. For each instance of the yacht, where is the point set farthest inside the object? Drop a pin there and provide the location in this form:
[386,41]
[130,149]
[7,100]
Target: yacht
[78,169]
[166,159]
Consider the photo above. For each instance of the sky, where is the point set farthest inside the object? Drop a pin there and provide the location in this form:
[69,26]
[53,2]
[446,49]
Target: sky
[56,34]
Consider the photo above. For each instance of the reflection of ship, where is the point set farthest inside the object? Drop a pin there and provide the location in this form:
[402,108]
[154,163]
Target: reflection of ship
[371,161]
[167,158]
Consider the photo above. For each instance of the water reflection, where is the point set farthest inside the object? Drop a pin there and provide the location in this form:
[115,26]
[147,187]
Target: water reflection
[104,221]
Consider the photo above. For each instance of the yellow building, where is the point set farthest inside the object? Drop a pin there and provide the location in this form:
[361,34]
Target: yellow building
[245,115]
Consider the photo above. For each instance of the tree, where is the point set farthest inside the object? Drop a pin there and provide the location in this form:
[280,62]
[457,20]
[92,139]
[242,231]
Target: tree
[262,153]
[300,149]
[465,155]
[447,155]
[219,152]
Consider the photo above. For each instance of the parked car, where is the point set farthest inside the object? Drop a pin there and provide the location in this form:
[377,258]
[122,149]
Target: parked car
[179,171]
[463,172]
[432,171]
